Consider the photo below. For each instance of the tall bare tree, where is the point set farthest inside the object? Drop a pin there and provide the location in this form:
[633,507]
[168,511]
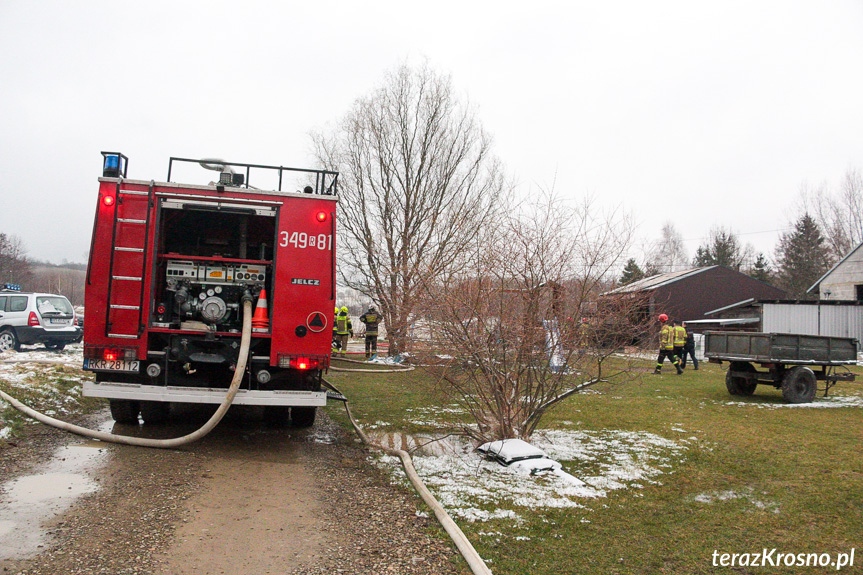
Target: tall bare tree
[524,325]
[839,214]
[668,253]
[15,267]
[418,182]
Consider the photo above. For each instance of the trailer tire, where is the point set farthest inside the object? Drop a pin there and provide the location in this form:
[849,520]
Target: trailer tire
[731,383]
[125,411]
[799,385]
[303,416]
[155,412]
[742,385]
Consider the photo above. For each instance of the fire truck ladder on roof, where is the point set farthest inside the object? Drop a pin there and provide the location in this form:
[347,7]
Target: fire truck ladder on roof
[128,262]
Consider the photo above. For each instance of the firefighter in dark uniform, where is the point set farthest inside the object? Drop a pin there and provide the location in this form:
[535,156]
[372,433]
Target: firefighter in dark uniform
[689,349]
[344,328]
[666,346]
[371,319]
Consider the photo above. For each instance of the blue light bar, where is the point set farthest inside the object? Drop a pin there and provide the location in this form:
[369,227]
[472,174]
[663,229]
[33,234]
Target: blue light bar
[114,165]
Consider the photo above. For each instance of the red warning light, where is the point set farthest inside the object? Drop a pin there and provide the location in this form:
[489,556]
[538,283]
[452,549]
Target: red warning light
[321,216]
[110,354]
[108,200]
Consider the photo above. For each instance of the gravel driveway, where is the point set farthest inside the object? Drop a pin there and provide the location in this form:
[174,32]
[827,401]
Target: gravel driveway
[247,499]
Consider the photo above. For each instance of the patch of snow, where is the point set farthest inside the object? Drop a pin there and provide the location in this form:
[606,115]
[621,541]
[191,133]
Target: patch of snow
[833,401]
[6,433]
[476,489]
[747,494]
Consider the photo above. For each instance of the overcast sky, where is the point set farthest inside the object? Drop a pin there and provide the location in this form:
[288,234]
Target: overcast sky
[702,113]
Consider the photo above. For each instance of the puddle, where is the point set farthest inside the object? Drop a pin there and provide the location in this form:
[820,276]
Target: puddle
[27,503]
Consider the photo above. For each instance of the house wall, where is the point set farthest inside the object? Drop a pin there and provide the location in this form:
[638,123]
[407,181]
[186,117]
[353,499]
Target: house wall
[842,281]
[839,320]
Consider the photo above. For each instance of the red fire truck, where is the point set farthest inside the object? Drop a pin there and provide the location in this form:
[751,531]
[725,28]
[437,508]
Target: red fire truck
[169,266]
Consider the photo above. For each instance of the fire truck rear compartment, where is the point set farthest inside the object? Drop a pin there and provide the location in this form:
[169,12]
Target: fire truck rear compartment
[209,256]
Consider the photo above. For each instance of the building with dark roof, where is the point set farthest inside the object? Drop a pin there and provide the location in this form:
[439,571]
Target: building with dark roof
[687,295]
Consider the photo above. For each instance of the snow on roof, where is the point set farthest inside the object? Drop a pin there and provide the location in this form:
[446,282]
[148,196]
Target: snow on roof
[657,281]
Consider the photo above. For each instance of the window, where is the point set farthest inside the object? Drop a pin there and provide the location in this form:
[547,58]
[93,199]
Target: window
[53,305]
[2,302]
[18,303]
[859,290]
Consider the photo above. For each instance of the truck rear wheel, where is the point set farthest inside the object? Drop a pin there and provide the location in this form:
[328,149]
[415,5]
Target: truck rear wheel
[737,385]
[799,385]
[153,412]
[125,411]
[303,416]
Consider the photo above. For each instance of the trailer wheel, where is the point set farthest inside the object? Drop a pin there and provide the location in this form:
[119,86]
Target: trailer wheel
[303,416]
[799,385]
[740,385]
[125,410]
[153,412]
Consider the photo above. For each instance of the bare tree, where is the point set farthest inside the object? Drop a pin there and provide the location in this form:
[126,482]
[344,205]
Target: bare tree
[15,268]
[418,182]
[523,325]
[839,215]
[668,254]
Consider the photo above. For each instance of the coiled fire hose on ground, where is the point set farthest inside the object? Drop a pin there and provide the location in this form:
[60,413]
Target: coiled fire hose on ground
[474,561]
[158,443]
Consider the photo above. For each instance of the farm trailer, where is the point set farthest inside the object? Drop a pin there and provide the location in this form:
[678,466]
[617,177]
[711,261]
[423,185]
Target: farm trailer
[789,360]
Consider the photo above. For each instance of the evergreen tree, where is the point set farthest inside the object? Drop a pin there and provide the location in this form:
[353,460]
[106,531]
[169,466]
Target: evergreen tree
[703,257]
[631,272]
[761,269]
[721,249]
[802,257]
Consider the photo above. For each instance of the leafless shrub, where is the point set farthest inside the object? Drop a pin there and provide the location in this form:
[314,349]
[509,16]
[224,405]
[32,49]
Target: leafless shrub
[523,325]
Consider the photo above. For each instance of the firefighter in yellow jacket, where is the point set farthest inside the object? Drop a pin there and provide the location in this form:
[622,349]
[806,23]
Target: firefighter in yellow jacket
[679,341]
[344,328]
[666,346]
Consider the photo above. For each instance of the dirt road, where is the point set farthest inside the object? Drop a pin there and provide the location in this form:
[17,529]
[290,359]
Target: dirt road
[249,498]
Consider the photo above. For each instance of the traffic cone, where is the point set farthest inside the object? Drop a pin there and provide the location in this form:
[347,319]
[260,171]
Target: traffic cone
[260,321]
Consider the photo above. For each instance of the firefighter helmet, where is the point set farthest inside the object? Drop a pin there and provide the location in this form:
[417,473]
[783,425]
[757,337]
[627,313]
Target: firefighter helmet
[663,317]
[344,309]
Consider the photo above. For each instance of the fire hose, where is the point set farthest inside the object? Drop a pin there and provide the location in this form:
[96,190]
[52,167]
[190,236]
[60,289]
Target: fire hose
[474,560]
[158,443]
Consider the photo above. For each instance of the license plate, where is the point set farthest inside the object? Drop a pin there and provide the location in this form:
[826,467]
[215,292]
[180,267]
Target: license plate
[111,365]
[58,321]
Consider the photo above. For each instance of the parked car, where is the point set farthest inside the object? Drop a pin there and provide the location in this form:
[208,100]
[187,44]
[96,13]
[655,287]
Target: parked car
[79,321]
[29,318]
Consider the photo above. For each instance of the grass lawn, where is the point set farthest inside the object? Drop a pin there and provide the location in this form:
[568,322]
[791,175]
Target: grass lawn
[748,477]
